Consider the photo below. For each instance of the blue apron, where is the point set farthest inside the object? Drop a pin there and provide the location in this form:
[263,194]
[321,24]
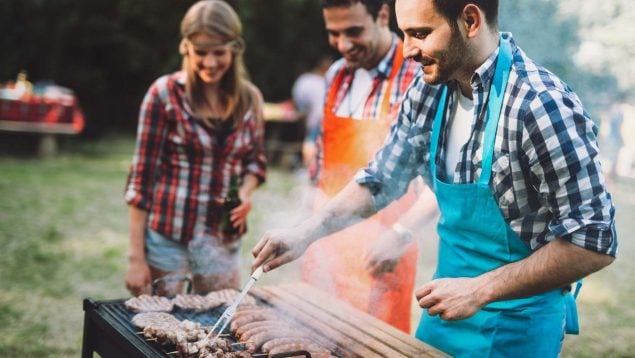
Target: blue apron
[474,239]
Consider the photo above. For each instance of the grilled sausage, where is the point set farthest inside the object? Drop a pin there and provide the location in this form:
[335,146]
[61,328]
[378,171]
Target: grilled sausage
[262,335]
[251,325]
[314,349]
[252,317]
[252,310]
[278,329]
[269,345]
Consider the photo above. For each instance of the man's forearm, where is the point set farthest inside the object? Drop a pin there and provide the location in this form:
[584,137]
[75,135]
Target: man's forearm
[555,265]
[351,205]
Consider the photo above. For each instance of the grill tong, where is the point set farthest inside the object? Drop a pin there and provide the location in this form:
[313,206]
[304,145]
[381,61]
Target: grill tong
[227,315]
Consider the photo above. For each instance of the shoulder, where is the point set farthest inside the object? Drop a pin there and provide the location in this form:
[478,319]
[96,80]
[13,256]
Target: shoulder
[539,93]
[551,116]
[253,102]
[253,92]
[164,85]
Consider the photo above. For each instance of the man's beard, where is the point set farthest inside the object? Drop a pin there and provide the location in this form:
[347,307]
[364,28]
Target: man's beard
[450,60]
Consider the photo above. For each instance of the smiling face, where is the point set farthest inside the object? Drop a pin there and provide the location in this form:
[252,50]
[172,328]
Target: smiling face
[430,40]
[209,56]
[355,34]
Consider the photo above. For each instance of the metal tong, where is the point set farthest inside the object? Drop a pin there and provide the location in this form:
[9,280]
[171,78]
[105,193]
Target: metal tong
[227,315]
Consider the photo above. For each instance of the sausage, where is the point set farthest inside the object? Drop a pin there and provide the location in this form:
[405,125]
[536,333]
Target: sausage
[261,335]
[244,328]
[252,317]
[277,328]
[252,309]
[269,345]
[256,312]
[314,349]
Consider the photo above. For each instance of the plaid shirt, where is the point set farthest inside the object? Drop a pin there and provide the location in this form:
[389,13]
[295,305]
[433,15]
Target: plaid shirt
[372,105]
[546,178]
[180,172]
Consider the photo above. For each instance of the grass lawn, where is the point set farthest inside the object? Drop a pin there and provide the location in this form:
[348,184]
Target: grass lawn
[63,236]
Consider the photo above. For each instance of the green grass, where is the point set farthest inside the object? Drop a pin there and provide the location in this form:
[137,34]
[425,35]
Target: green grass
[63,236]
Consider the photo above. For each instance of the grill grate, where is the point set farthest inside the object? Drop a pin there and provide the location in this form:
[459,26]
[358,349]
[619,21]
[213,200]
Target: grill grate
[120,319]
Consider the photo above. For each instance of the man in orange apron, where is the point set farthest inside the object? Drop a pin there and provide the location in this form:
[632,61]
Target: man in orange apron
[363,97]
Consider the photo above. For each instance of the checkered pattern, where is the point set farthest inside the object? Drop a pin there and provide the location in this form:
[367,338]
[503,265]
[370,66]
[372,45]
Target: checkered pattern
[180,172]
[547,178]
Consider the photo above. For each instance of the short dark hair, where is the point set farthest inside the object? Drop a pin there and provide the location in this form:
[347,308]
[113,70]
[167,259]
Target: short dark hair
[451,10]
[372,6]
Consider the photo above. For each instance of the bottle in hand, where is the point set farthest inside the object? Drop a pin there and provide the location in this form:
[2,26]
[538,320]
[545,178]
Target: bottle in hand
[231,202]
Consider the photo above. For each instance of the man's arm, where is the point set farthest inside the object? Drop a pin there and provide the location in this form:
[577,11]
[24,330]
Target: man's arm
[553,266]
[278,247]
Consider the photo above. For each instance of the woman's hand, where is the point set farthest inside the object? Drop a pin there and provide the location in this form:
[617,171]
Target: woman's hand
[238,216]
[138,277]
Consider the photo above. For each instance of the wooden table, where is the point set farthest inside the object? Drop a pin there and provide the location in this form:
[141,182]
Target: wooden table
[352,330]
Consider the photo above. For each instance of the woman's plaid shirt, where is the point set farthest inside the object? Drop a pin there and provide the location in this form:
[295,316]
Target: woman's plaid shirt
[547,178]
[180,172]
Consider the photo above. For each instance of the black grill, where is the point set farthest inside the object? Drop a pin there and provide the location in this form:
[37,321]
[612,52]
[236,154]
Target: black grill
[108,330]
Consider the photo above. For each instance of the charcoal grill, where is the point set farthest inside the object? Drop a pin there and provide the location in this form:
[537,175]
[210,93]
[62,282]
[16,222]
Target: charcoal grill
[344,330]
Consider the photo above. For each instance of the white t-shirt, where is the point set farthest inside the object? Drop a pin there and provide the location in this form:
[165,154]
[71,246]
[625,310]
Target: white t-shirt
[352,104]
[459,128]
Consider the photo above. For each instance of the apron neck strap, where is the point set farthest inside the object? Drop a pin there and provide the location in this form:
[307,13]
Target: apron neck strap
[397,62]
[495,106]
[436,130]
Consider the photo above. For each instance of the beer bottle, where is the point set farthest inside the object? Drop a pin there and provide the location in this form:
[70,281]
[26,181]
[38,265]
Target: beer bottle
[231,201]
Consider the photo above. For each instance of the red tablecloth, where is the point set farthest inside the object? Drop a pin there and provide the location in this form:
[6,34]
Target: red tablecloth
[40,114]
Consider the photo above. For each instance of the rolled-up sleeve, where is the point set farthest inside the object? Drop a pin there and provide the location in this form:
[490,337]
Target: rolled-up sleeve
[560,142]
[151,134]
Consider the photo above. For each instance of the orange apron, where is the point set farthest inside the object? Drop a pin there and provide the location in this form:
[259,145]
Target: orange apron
[335,263]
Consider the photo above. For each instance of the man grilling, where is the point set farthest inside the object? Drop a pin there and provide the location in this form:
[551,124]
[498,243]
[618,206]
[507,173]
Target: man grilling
[512,157]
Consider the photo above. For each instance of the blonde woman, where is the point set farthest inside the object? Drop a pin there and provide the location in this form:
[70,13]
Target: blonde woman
[197,128]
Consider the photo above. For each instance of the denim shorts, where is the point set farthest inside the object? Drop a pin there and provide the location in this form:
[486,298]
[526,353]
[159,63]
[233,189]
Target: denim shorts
[204,255]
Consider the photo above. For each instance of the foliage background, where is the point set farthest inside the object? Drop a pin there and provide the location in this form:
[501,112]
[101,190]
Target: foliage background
[109,51]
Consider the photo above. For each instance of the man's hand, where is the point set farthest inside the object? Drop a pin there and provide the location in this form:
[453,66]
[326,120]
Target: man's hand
[385,253]
[451,298]
[138,277]
[278,247]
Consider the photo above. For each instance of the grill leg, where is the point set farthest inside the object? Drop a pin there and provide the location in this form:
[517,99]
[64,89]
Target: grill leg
[87,343]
